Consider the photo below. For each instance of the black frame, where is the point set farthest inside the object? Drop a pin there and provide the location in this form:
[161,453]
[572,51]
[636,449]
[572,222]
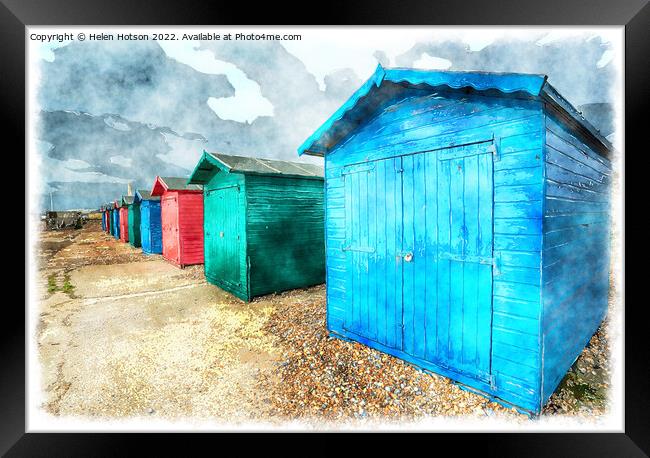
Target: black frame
[633,14]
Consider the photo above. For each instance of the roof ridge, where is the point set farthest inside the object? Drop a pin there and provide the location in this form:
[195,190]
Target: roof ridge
[217,156]
[304,170]
[267,165]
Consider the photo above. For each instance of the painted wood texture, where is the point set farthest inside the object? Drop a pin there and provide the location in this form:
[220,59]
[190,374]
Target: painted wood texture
[190,225]
[284,232]
[264,233]
[107,215]
[502,356]
[150,227]
[225,233]
[576,254]
[124,224]
[116,223]
[182,227]
[134,225]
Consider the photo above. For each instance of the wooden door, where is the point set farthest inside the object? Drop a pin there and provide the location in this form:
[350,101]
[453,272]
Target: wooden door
[447,218]
[222,235]
[373,201]
[169,220]
[419,247]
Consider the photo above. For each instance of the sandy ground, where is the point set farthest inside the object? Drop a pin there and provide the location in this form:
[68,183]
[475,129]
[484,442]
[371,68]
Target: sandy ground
[122,334]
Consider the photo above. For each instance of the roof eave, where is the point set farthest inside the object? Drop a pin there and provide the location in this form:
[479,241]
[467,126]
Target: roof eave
[531,84]
[550,95]
[206,158]
[159,187]
[308,144]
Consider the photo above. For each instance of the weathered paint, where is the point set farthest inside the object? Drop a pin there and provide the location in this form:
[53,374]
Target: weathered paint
[124,224]
[575,258]
[116,222]
[134,224]
[181,221]
[150,227]
[439,209]
[108,213]
[264,230]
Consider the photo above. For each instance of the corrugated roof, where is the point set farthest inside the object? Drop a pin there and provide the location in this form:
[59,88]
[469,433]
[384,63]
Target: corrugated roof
[162,184]
[251,165]
[361,104]
[127,200]
[144,194]
[179,184]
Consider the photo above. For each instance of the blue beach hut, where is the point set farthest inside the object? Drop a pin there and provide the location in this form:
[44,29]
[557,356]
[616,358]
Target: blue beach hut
[467,227]
[150,226]
[116,219]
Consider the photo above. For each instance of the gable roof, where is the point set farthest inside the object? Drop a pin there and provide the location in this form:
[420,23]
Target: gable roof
[368,97]
[143,194]
[127,200]
[162,184]
[210,163]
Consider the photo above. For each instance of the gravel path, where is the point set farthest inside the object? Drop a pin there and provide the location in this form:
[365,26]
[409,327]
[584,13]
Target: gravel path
[122,335]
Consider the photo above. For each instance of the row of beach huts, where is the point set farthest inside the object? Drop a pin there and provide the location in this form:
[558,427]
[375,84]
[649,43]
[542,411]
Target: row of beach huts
[256,224]
[461,223]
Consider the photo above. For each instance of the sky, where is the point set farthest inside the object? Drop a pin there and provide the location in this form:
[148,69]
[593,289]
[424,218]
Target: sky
[103,114]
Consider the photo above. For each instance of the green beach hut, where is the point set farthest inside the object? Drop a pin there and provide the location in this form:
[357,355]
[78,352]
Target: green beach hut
[263,223]
[135,238]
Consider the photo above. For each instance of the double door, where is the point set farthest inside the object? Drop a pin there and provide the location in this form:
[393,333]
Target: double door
[419,243]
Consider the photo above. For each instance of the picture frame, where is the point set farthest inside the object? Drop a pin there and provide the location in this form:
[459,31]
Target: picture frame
[634,15]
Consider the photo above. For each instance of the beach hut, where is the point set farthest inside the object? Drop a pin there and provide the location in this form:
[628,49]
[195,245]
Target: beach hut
[134,221]
[150,228]
[103,215]
[467,227]
[263,223]
[181,214]
[124,217]
[116,219]
[109,214]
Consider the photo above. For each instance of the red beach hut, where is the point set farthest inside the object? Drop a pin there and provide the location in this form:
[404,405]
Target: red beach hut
[124,218]
[107,217]
[181,213]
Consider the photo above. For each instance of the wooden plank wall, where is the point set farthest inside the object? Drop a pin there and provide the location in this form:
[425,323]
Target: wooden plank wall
[576,248]
[150,227]
[285,232]
[190,227]
[134,225]
[220,180]
[421,123]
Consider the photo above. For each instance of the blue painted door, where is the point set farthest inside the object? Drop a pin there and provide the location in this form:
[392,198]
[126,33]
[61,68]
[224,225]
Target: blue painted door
[145,221]
[373,205]
[419,254]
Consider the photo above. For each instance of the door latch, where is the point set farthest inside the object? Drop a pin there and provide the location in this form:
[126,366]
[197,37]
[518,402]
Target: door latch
[408,257]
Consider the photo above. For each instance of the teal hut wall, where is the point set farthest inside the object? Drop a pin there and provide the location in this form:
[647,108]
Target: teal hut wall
[285,232]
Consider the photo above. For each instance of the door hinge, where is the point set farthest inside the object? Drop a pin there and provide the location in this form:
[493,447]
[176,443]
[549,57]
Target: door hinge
[494,148]
[496,263]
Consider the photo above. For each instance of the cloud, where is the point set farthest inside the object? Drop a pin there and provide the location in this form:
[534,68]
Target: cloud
[121,160]
[432,63]
[606,58]
[246,105]
[153,109]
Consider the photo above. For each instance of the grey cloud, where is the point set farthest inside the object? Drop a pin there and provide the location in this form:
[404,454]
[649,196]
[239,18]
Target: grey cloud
[131,100]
